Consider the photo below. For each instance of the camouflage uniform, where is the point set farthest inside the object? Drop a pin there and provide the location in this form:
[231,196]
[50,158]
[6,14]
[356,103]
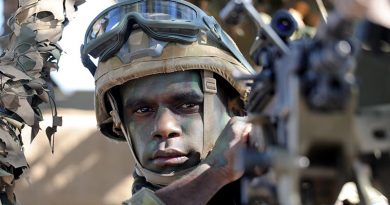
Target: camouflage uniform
[29,53]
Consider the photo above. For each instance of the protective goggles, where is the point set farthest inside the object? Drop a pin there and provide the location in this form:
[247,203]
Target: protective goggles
[163,20]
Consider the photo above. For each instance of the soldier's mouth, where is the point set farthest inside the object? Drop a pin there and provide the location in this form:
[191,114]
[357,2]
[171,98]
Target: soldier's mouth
[169,157]
[169,161]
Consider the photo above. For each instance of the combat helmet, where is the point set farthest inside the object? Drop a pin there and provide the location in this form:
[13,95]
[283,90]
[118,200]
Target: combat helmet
[138,38]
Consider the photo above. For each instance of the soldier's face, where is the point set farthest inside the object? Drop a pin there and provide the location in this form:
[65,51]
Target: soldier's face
[164,116]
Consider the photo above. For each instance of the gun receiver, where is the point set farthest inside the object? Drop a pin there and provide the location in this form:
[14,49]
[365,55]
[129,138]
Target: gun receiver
[304,107]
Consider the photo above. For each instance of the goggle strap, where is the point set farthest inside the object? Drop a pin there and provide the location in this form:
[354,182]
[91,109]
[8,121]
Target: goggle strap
[87,62]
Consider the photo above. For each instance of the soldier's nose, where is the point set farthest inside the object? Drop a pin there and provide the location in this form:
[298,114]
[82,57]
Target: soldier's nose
[166,125]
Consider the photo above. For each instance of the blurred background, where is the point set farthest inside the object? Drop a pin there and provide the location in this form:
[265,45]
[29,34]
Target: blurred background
[87,168]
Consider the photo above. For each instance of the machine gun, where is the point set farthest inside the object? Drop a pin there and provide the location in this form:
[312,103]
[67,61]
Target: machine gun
[308,131]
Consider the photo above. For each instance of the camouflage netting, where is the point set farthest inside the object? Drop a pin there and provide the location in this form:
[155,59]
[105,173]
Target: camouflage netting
[28,54]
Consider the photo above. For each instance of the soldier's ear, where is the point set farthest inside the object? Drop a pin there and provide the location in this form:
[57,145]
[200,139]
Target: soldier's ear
[116,123]
[236,107]
[114,113]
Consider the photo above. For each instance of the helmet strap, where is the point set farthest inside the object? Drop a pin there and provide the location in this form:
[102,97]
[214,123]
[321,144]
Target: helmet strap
[209,91]
[118,126]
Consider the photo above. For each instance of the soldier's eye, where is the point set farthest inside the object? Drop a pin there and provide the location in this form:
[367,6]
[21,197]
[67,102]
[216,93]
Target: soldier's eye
[188,105]
[189,108]
[144,110]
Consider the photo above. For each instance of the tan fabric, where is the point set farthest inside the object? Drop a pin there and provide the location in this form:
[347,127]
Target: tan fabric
[144,197]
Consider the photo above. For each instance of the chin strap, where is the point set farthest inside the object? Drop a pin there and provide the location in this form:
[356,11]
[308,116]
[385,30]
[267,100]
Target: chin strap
[118,126]
[209,91]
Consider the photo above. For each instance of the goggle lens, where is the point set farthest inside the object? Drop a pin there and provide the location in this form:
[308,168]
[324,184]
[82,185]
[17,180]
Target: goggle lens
[164,20]
[150,10]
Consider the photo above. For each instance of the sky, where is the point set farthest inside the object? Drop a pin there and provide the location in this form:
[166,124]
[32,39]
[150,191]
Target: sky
[1,16]
[72,76]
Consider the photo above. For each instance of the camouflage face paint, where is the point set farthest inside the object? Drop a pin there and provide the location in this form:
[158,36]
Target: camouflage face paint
[163,114]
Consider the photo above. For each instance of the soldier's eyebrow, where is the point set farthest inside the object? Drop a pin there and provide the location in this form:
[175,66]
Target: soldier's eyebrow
[187,95]
[134,102]
[180,96]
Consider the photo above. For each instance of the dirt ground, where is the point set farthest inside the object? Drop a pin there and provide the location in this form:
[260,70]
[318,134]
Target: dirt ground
[86,168]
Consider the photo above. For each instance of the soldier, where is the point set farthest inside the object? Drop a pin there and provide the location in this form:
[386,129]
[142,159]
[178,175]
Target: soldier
[164,83]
